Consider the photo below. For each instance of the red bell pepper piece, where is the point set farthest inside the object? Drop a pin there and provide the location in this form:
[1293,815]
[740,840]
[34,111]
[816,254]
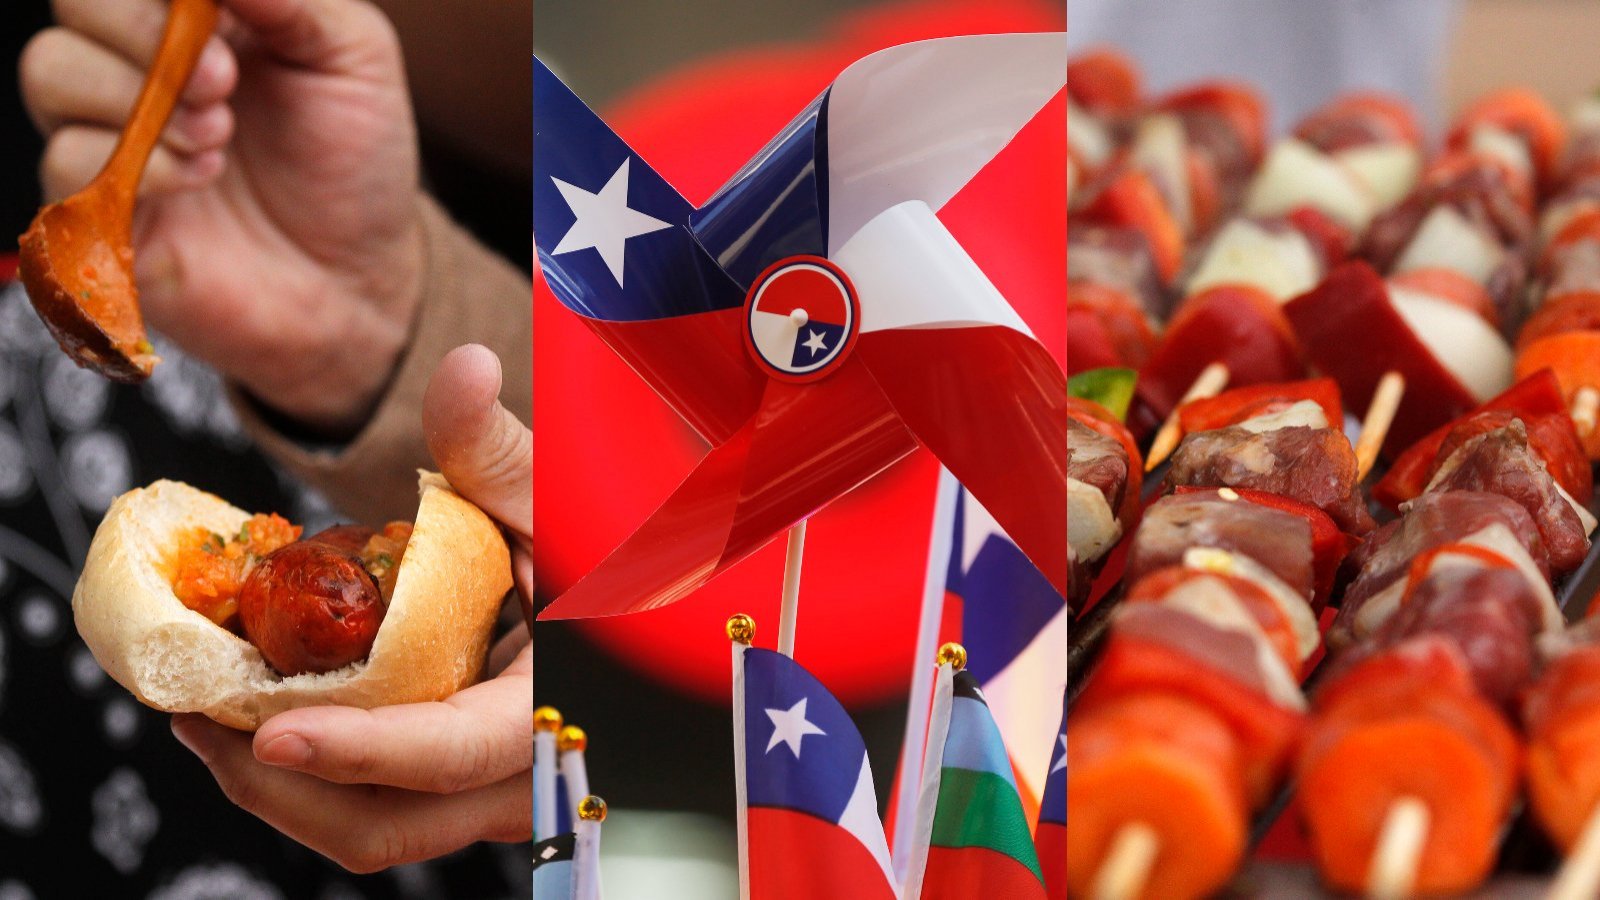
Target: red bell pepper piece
[1237,325]
[1238,404]
[1353,333]
[1105,328]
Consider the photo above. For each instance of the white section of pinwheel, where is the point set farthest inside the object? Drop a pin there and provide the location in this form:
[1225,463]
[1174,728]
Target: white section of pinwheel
[918,121]
[604,221]
[910,272]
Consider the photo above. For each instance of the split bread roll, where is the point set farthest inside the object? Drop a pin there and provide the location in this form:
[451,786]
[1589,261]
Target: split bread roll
[433,641]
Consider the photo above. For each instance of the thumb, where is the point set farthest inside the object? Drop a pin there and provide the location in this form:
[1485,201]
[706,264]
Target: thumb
[329,35]
[484,451]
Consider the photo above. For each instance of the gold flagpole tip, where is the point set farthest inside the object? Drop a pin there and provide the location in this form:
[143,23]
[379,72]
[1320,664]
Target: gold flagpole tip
[592,809]
[572,738]
[547,718]
[741,628]
[953,655]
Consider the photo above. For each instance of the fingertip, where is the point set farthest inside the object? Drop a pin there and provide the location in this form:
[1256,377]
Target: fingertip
[215,74]
[463,391]
[479,367]
[287,749]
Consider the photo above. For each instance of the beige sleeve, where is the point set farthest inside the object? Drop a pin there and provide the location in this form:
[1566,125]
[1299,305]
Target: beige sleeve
[469,296]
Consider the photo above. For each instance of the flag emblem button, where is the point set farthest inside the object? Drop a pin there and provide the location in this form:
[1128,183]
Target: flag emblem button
[801,318]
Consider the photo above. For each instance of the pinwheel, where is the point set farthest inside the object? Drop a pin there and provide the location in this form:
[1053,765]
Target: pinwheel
[813,321]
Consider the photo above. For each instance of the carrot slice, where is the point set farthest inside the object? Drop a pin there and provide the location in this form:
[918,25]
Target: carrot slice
[1167,763]
[1268,734]
[1522,112]
[1353,779]
[1562,716]
[1574,357]
[1575,311]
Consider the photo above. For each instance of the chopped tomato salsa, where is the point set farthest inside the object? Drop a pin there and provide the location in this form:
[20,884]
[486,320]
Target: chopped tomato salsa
[208,569]
[381,555]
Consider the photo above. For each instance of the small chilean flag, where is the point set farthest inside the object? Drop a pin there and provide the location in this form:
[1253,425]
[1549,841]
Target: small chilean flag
[972,834]
[1051,836]
[808,814]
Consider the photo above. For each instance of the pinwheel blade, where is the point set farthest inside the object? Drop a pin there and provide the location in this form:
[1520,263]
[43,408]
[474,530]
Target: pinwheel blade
[614,246]
[965,375]
[918,121]
[808,445]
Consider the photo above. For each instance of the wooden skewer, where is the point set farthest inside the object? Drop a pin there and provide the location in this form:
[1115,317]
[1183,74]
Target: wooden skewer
[1579,878]
[1209,383]
[1585,410]
[1127,867]
[1399,852]
[1380,415]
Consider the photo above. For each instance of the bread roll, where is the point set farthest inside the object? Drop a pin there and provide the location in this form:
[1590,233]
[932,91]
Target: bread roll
[433,641]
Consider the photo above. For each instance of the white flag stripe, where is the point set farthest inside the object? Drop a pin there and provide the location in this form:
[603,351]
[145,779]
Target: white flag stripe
[918,121]
[910,272]
[860,818]
[1018,693]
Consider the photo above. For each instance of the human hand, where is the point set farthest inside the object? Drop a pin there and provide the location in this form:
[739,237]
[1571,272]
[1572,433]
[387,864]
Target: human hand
[375,788]
[278,236]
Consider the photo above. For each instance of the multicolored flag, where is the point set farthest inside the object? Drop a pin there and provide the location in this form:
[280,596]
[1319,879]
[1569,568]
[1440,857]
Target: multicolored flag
[808,814]
[814,321]
[984,594]
[1050,837]
[1013,624]
[972,837]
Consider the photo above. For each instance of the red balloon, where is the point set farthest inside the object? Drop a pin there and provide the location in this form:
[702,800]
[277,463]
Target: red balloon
[608,450]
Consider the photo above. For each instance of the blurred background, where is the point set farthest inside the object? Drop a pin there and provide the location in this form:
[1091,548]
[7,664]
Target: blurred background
[97,799]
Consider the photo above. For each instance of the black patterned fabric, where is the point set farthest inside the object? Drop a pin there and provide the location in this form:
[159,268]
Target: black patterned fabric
[97,799]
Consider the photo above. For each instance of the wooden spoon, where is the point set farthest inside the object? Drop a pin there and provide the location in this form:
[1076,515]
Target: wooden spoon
[76,258]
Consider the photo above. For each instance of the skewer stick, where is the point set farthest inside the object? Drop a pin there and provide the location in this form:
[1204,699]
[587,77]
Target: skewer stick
[1579,878]
[789,613]
[1127,867]
[1585,410]
[1399,852]
[1209,383]
[1380,415]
